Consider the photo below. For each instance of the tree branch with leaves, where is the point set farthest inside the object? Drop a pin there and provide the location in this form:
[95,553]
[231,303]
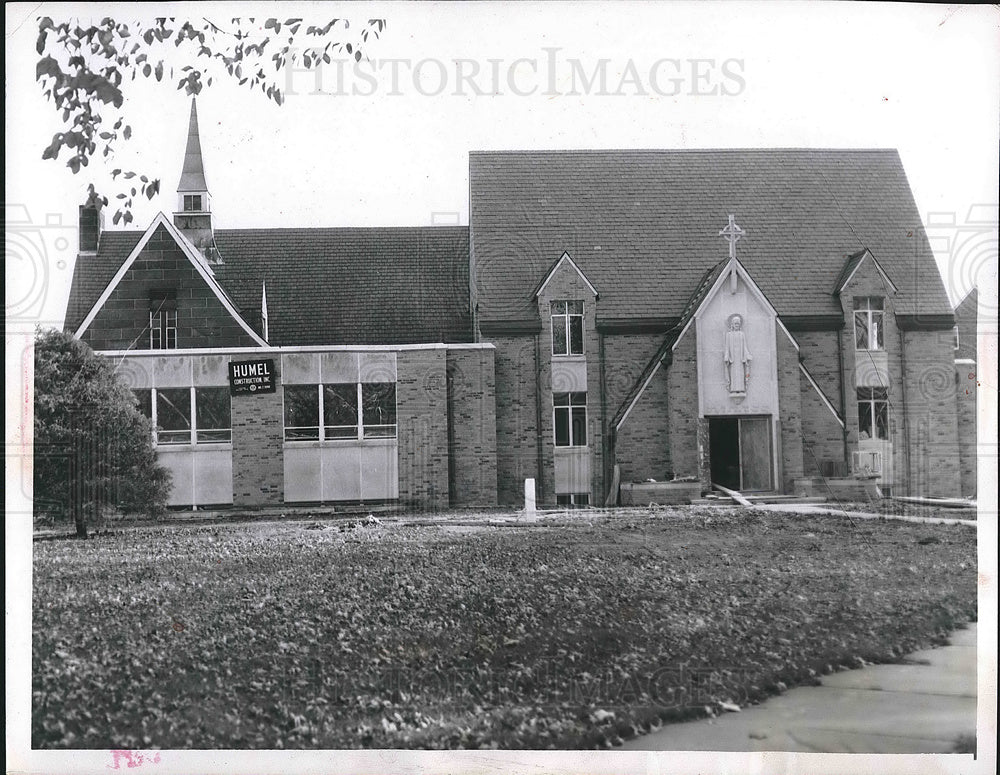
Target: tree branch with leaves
[85,70]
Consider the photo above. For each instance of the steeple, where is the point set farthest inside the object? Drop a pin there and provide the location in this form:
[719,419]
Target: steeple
[194,204]
[193,173]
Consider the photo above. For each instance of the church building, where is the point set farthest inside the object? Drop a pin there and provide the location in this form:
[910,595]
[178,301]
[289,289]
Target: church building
[768,321]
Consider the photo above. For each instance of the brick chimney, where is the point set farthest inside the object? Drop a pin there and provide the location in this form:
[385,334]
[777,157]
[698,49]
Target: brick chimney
[91,226]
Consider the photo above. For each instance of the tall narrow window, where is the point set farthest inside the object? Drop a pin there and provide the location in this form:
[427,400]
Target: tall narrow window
[173,416]
[163,320]
[868,320]
[567,328]
[570,419]
[301,412]
[213,415]
[340,411]
[378,409]
[873,413]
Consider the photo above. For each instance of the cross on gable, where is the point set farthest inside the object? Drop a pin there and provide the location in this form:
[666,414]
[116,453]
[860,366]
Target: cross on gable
[732,233]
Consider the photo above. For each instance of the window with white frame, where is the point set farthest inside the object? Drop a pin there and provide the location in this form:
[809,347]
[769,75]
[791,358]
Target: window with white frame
[163,320]
[567,327]
[873,413]
[302,412]
[868,323]
[340,411]
[192,203]
[171,411]
[213,415]
[348,410]
[570,419]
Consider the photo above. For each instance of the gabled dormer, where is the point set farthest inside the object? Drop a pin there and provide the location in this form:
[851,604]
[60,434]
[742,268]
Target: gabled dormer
[193,216]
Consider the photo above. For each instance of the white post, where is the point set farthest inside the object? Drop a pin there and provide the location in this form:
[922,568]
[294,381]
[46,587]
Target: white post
[529,496]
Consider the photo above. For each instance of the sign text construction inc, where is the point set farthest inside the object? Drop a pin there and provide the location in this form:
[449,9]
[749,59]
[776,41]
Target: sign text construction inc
[251,377]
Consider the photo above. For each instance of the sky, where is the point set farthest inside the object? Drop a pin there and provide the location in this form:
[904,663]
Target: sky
[389,146]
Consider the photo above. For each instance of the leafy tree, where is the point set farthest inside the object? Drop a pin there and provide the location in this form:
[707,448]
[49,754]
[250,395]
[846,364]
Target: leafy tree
[84,70]
[93,447]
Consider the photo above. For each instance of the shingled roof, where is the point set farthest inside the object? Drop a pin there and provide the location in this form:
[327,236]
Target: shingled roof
[643,226]
[352,286]
[324,286]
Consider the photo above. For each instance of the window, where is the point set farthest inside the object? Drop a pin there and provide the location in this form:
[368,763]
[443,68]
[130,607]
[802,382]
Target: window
[192,203]
[567,328]
[956,342]
[378,408]
[570,419]
[163,320]
[868,314]
[573,499]
[340,411]
[173,416]
[301,412]
[145,400]
[340,405]
[873,413]
[213,415]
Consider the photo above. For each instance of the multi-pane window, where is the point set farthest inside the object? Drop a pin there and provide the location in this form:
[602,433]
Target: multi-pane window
[868,323]
[171,411]
[567,328]
[192,203]
[873,413]
[570,411]
[163,320]
[349,411]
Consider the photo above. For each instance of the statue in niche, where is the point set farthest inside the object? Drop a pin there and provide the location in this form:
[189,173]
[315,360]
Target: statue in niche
[737,357]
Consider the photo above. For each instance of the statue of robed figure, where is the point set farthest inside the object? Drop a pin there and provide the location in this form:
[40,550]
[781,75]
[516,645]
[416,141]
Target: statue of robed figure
[737,356]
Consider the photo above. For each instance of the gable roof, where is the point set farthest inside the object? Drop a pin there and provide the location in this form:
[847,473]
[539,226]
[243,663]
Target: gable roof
[564,258]
[663,354]
[655,215]
[190,252]
[396,285]
[324,286]
[851,266]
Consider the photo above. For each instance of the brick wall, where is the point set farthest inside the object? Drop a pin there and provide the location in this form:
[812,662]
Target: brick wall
[422,423]
[967,393]
[822,435]
[682,411]
[258,433]
[789,412]
[931,413]
[202,320]
[642,444]
[516,412]
[472,428]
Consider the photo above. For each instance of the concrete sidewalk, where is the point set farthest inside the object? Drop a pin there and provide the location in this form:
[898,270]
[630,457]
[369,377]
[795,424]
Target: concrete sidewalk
[922,706]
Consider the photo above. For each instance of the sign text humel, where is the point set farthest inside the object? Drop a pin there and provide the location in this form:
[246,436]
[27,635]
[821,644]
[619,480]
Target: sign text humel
[251,377]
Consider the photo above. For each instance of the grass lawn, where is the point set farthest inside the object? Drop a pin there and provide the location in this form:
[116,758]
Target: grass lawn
[567,634]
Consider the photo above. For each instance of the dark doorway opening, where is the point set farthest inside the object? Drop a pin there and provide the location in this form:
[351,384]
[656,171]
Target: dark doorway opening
[740,453]
[724,444]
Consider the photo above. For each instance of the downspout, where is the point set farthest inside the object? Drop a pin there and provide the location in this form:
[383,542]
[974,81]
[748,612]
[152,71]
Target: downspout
[607,439]
[906,418]
[540,492]
[843,397]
